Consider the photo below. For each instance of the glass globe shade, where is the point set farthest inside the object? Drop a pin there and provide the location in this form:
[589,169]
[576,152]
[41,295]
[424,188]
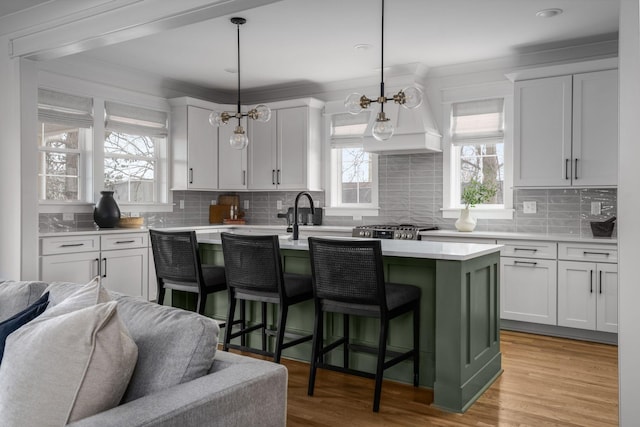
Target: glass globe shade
[382,130]
[412,97]
[352,103]
[263,113]
[215,118]
[239,139]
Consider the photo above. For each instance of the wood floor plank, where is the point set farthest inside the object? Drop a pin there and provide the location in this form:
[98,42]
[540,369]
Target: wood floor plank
[547,381]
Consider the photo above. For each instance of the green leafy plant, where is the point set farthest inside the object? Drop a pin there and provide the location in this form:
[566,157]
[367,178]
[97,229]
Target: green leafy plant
[476,193]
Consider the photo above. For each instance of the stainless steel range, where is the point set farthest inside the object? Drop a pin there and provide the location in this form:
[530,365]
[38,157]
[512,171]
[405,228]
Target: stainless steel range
[400,231]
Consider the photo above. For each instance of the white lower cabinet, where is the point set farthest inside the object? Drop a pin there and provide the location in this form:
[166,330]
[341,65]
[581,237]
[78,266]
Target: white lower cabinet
[126,271]
[121,259]
[588,295]
[528,281]
[75,267]
[528,290]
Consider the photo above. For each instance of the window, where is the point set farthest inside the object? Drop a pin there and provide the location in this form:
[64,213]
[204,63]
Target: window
[353,172]
[133,140]
[87,144]
[64,132]
[477,139]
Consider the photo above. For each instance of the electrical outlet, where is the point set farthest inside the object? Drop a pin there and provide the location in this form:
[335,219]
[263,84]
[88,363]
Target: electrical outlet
[596,208]
[181,204]
[245,204]
[529,207]
[67,216]
[279,204]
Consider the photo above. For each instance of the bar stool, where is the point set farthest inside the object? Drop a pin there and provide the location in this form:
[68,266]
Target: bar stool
[348,278]
[254,273]
[178,266]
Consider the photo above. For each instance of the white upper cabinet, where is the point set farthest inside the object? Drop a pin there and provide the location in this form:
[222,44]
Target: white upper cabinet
[595,128]
[232,163]
[285,153]
[194,147]
[566,130]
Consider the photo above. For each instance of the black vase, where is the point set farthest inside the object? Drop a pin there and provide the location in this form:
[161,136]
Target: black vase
[106,213]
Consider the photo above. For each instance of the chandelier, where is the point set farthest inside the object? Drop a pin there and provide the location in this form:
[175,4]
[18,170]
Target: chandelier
[261,112]
[409,97]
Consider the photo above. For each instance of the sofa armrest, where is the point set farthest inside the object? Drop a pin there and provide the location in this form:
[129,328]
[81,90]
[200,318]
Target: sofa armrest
[244,392]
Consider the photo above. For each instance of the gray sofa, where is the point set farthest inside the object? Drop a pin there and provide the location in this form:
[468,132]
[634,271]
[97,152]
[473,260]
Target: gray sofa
[225,390]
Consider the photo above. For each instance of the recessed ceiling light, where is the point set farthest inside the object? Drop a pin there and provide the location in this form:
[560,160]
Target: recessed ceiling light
[231,70]
[548,13]
[362,47]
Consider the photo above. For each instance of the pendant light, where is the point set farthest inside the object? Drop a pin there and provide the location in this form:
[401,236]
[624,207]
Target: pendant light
[409,97]
[261,112]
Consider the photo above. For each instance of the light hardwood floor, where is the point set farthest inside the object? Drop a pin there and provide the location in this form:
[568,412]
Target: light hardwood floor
[546,382]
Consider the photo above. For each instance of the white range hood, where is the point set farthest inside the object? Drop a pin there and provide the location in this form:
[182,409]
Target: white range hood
[415,131]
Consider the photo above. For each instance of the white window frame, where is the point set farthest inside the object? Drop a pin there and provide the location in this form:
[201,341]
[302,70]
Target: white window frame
[333,172]
[160,165]
[94,153]
[451,207]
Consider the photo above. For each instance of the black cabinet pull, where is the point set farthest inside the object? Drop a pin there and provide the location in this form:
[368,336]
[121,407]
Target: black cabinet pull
[590,281]
[278,180]
[575,174]
[244,177]
[98,265]
[71,245]
[273,176]
[525,249]
[600,281]
[190,175]
[125,241]
[531,263]
[595,253]
[566,168]
[104,274]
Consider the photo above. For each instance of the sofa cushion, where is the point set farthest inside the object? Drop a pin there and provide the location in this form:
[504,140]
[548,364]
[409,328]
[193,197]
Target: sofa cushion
[83,295]
[16,296]
[66,365]
[174,345]
[15,322]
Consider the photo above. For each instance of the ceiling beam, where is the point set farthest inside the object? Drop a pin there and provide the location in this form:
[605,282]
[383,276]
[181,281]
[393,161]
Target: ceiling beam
[125,21]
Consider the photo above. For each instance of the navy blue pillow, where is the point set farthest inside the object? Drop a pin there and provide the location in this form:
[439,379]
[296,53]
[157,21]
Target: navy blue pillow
[25,316]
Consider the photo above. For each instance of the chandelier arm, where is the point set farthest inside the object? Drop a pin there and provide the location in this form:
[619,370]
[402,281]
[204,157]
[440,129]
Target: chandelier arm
[382,99]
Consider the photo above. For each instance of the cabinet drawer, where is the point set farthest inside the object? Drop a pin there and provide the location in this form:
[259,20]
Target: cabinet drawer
[528,249]
[588,252]
[69,244]
[124,241]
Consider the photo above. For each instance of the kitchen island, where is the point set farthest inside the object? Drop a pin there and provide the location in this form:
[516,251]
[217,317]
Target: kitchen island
[459,325]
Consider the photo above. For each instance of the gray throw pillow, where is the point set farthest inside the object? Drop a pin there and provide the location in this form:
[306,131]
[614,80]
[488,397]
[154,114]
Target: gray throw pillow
[73,361]
[16,296]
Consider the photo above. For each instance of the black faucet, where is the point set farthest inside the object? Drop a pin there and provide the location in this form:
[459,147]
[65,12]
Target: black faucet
[295,211]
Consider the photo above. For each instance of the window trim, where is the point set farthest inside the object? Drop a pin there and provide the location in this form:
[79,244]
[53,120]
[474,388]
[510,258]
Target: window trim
[472,93]
[333,208]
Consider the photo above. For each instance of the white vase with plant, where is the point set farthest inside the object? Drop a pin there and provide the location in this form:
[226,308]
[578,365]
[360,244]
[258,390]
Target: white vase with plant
[474,193]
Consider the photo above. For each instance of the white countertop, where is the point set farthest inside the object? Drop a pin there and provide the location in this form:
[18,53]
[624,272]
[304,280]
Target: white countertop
[498,235]
[399,248]
[320,229]
[279,229]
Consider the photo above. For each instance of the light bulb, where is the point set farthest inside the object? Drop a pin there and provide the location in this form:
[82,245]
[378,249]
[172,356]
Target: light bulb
[262,113]
[215,118]
[412,97]
[352,103]
[239,139]
[382,128]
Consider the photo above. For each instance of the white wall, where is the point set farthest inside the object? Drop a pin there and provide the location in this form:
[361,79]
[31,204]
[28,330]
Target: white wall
[10,222]
[628,208]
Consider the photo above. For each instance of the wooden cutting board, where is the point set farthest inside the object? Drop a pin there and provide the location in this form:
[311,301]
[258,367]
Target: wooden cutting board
[218,213]
[229,200]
